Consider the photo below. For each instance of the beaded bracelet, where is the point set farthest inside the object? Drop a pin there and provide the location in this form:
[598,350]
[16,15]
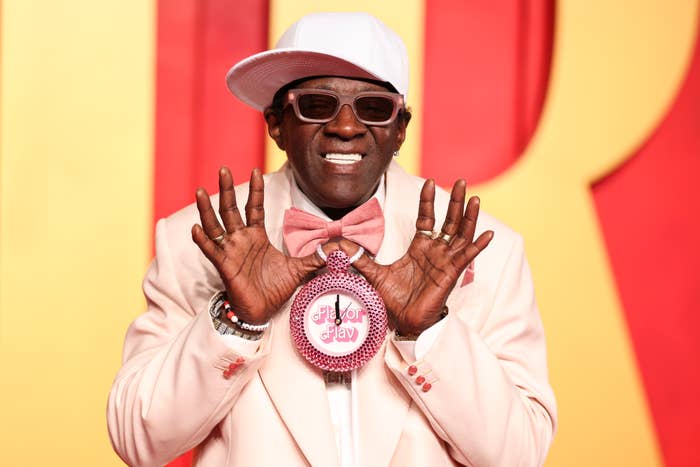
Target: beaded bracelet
[242,324]
[226,330]
[216,308]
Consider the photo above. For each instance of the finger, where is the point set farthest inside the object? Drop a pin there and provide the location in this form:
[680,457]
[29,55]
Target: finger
[348,247]
[467,255]
[467,226]
[368,268]
[206,244]
[309,263]
[227,202]
[364,263]
[426,207]
[313,261]
[455,208]
[206,213]
[254,208]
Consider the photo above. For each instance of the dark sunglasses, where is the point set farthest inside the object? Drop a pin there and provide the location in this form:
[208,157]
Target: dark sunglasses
[321,106]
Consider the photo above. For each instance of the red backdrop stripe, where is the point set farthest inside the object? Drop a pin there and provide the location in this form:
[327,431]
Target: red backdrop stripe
[175,77]
[200,126]
[486,73]
[649,209]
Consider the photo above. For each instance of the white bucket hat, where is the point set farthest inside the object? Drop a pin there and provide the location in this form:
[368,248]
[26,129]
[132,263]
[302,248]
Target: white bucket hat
[355,45]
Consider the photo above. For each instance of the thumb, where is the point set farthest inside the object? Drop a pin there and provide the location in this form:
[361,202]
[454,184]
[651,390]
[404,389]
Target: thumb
[364,264]
[314,261]
[368,268]
[309,263]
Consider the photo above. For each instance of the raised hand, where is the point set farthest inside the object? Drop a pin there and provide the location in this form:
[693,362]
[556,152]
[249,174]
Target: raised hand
[258,277]
[415,288]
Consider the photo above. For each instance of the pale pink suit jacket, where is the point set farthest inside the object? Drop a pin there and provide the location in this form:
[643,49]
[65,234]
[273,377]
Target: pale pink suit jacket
[490,403]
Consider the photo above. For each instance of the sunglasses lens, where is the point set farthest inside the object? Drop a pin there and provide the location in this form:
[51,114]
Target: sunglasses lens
[374,108]
[317,106]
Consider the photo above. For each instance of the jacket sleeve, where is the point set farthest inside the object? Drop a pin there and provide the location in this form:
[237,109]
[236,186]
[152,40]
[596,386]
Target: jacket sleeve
[488,396]
[172,388]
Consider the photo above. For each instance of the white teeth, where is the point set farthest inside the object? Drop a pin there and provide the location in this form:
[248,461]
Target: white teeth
[337,158]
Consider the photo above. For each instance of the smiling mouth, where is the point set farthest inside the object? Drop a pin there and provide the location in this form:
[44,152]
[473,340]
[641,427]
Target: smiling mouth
[342,159]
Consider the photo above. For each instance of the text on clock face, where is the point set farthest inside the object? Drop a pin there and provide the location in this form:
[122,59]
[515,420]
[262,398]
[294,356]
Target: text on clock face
[334,333]
[326,314]
[336,323]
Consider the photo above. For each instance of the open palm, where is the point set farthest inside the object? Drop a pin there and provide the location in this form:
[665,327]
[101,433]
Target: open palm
[258,277]
[415,287]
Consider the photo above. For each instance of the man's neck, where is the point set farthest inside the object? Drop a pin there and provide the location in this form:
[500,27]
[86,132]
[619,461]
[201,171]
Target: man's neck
[336,213]
[300,200]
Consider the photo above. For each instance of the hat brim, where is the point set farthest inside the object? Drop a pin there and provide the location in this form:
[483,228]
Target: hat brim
[256,79]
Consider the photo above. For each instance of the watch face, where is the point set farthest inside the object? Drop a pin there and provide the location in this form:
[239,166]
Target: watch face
[336,323]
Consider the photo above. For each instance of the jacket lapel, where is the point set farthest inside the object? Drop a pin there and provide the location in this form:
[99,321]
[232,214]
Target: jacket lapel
[383,405]
[295,387]
[298,392]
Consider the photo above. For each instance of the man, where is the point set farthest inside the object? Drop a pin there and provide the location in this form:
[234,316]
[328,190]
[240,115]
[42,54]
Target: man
[460,379]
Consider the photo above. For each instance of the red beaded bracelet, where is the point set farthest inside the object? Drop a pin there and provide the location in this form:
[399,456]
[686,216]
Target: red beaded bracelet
[234,319]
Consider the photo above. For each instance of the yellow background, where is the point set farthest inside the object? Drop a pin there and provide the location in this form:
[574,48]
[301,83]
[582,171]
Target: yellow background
[76,135]
[76,130]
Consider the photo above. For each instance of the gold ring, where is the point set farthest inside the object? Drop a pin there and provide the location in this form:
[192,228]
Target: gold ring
[444,237]
[427,233]
[219,239]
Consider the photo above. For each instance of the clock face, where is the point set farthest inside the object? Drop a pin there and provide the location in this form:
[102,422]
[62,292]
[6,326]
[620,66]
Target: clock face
[336,323]
[337,320]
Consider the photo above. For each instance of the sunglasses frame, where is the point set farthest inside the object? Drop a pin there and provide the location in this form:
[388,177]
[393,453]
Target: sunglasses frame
[293,96]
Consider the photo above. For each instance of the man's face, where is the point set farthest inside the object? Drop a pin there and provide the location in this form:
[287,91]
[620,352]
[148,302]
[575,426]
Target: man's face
[312,148]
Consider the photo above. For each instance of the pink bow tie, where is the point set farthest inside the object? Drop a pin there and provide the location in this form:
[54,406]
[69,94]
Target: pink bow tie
[363,225]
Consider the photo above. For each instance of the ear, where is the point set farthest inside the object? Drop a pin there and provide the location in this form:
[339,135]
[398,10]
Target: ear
[274,124]
[402,122]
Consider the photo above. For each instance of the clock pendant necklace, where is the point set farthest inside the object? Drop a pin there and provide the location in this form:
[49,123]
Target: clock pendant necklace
[338,320]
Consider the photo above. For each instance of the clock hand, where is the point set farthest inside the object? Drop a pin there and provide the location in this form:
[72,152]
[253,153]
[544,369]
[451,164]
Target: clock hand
[346,310]
[338,321]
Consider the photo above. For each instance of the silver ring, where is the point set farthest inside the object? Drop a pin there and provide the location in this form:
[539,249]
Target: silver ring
[426,233]
[444,237]
[219,239]
[357,255]
[321,254]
